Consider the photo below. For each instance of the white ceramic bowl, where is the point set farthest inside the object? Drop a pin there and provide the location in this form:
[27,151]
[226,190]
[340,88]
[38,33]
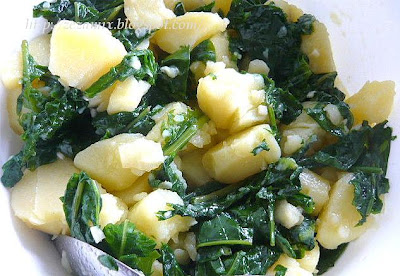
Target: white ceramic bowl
[365,37]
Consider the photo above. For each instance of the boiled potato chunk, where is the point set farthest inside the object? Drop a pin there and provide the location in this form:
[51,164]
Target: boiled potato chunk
[193,169]
[373,102]
[171,4]
[189,29]
[11,70]
[35,199]
[232,160]
[258,66]
[39,48]
[316,187]
[137,191]
[13,118]
[115,162]
[127,95]
[144,216]
[310,260]
[337,221]
[175,108]
[292,265]
[179,109]
[113,210]
[101,100]
[141,154]
[287,214]
[232,100]
[222,52]
[300,131]
[81,54]
[147,14]
[317,47]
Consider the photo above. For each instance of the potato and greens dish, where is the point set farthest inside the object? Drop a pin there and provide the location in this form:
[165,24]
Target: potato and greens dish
[194,137]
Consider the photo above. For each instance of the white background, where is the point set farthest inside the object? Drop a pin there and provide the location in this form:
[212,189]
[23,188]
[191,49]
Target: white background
[366,45]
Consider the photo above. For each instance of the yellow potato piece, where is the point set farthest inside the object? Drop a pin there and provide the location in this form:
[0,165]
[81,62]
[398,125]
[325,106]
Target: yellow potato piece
[147,14]
[337,222]
[310,260]
[374,102]
[144,215]
[316,187]
[113,210]
[292,265]
[127,95]
[317,47]
[189,29]
[102,162]
[222,52]
[81,54]
[232,160]
[13,118]
[138,190]
[232,100]
[193,169]
[11,70]
[35,199]
[299,132]
[171,4]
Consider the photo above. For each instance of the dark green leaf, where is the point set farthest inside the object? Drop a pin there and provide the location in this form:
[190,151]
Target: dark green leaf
[82,204]
[261,147]
[223,230]
[130,39]
[286,107]
[179,9]
[79,11]
[265,33]
[170,264]
[131,246]
[280,270]
[108,262]
[205,51]
[140,64]
[173,76]
[138,121]
[168,177]
[328,257]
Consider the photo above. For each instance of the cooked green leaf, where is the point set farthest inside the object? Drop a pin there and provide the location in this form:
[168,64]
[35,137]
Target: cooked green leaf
[170,264]
[131,38]
[131,246]
[140,64]
[205,51]
[223,230]
[328,257]
[108,262]
[138,121]
[168,177]
[261,147]
[82,204]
